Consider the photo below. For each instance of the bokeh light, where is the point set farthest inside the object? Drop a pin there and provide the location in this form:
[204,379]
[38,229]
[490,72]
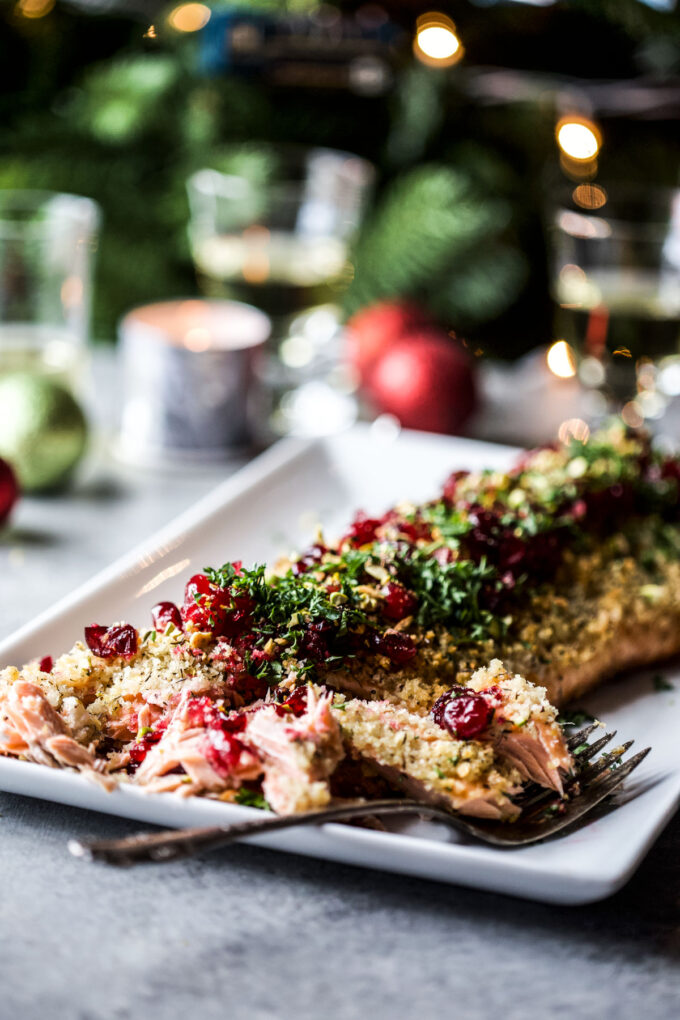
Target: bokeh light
[561,360]
[436,42]
[189,17]
[34,8]
[578,138]
[573,428]
[589,196]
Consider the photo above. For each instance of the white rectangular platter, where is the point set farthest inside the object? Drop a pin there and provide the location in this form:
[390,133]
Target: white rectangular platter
[271,507]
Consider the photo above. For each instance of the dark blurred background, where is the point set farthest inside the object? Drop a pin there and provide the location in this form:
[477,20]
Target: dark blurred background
[122,101]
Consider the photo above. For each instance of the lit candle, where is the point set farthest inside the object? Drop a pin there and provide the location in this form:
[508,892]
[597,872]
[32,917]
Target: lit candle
[188,371]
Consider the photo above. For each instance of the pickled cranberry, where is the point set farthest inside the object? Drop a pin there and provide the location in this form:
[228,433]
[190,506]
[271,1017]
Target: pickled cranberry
[251,688]
[165,613]
[397,601]
[309,559]
[112,642]
[141,748]
[462,712]
[212,609]
[399,648]
[222,747]
[297,702]
[46,664]
[210,715]
[363,529]
[314,643]
[415,530]
[451,485]
[412,530]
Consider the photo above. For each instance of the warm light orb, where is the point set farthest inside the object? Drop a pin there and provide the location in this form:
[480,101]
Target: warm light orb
[34,8]
[436,42]
[561,361]
[578,139]
[189,17]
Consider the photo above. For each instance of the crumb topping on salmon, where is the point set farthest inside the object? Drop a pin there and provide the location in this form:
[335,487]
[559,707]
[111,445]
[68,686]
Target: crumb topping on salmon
[434,643]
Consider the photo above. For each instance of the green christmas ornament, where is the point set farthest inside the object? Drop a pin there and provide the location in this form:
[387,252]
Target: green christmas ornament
[42,430]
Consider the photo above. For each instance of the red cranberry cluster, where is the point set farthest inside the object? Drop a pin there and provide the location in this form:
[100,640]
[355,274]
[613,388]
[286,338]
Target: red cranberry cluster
[411,530]
[362,530]
[294,705]
[399,648]
[240,657]
[223,749]
[141,748]
[212,609]
[464,713]
[398,602]
[512,555]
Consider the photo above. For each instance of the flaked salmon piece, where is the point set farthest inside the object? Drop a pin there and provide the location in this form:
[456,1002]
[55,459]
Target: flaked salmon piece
[423,760]
[34,730]
[524,727]
[299,752]
[211,757]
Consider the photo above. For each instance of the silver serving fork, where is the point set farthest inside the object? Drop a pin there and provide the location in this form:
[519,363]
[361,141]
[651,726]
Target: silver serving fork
[544,813]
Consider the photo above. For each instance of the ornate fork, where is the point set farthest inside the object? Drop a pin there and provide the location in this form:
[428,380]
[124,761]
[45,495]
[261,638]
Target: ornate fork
[544,813]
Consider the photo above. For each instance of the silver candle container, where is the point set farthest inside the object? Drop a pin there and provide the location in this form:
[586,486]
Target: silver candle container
[189,376]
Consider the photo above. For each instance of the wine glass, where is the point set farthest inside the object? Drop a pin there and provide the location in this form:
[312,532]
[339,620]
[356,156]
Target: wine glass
[616,285]
[46,245]
[272,227]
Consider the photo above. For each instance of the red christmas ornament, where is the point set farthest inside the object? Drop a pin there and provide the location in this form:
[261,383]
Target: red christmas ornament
[375,329]
[426,380]
[9,490]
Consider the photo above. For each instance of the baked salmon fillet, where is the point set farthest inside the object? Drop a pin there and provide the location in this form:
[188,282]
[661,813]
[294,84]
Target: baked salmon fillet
[431,645]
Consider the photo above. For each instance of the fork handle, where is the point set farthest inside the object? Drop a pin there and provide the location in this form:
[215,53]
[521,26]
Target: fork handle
[173,844]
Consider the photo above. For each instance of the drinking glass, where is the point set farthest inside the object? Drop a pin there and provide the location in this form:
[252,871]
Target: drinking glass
[275,233]
[47,242]
[616,284]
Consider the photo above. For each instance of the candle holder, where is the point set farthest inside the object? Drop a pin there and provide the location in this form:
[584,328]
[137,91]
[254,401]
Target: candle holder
[190,380]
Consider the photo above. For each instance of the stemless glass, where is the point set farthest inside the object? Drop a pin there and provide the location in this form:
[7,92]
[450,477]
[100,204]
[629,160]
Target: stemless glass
[46,245]
[616,284]
[275,233]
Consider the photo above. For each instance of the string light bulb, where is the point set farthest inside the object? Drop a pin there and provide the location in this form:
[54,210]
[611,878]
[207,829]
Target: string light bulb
[578,138]
[436,41]
[561,360]
[189,17]
[34,8]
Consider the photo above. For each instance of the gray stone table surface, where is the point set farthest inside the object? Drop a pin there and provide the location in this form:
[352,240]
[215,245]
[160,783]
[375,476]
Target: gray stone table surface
[250,933]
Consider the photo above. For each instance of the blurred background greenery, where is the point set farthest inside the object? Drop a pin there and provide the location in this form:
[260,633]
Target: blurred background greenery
[116,102]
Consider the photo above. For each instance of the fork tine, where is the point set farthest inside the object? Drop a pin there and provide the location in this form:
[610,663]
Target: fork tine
[592,749]
[538,828]
[604,762]
[616,776]
[581,737]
